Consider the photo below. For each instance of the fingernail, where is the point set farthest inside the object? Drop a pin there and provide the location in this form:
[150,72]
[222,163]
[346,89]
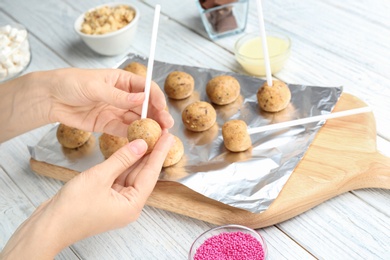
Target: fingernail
[171,122]
[138,146]
[136,96]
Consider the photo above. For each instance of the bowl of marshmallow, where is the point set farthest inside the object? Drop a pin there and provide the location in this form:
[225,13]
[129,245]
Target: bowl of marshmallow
[15,55]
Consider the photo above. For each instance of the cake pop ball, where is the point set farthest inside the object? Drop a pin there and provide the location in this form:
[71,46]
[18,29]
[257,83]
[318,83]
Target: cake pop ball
[179,85]
[223,89]
[146,129]
[235,136]
[136,68]
[273,98]
[199,116]
[109,144]
[71,137]
[175,153]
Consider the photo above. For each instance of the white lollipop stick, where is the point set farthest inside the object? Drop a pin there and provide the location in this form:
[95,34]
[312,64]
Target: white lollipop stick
[150,61]
[264,43]
[307,120]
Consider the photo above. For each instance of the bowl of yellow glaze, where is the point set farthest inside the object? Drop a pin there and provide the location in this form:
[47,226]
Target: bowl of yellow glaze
[249,53]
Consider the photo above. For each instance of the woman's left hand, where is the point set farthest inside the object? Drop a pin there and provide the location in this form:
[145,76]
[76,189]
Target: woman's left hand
[105,100]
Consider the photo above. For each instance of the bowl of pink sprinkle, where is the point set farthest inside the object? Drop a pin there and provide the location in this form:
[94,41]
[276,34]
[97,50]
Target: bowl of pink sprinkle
[233,242]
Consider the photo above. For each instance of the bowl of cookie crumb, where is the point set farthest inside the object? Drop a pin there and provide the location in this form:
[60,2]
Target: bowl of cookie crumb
[108,29]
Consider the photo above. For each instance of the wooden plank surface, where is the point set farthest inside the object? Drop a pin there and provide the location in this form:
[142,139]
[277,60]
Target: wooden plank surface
[345,222]
[15,207]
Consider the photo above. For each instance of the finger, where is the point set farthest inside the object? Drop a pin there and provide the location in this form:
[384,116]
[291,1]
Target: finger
[118,98]
[156,95]
[157,100]
[134,168]
[130,178]
[136,203]
[117,187]
[122,159]
[135,83]
[164,119]
[116,127]
[147,178]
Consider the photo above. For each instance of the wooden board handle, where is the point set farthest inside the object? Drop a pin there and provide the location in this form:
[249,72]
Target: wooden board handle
[374,173]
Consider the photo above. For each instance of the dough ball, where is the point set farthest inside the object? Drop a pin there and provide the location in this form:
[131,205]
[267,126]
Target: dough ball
[175,153]
[235,136]
[71,137]
[136,68]
[239,157]
[289,113]
[146,129]
[175,172]
[179,105]
[223,89]
[204,137]
[76,153]
[199,116]
[179,85]
[275,98]
[227,111]
[109,144]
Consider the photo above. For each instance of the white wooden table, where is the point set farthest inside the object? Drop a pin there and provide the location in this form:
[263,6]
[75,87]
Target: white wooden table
[334,43]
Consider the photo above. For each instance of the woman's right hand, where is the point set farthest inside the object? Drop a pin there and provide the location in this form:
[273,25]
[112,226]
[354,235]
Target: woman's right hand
[91,203]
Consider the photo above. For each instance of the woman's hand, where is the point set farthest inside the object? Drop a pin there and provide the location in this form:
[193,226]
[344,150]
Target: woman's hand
[91,203]
[99,100]
[106,100]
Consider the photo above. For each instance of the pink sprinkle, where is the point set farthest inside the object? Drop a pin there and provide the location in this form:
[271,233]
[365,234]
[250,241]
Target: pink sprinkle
[230,246]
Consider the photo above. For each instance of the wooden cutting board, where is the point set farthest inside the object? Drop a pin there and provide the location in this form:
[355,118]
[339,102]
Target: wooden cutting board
[342,157]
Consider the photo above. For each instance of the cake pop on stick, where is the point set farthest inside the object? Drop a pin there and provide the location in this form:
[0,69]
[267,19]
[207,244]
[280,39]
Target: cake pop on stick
[270,98]
[307,120]
[151,61]
[236,135]
[146,128]
[263,37]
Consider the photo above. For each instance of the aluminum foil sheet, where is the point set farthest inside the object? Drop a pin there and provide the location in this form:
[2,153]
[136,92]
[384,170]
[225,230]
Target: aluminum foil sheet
[249,180]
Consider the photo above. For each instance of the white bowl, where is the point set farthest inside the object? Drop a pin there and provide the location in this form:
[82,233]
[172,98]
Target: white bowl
[15,53]
[113,43]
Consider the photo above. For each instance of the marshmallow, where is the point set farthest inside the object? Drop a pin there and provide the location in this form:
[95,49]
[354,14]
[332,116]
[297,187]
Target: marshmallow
[4,41]
[14,51]
[4,54]
[12,33]
[16,57]
[14,70]
[20,36]
[3,73]
[5,29]
[8,64]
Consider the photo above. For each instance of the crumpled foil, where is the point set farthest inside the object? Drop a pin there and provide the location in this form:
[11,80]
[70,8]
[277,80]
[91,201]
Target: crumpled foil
[249,180]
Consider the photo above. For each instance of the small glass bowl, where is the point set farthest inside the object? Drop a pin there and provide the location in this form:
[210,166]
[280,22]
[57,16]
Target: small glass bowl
[226,229]
[224,20]
[15,53]
[279,48]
